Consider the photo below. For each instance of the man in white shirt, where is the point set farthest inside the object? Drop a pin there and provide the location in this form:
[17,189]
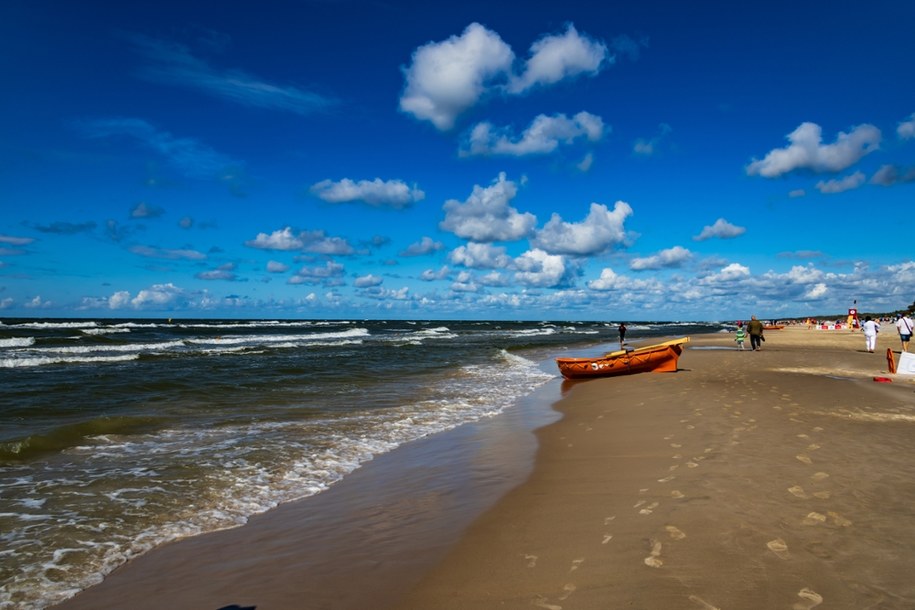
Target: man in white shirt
[904,326]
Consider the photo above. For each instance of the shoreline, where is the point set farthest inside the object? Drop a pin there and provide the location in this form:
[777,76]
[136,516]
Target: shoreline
[632,499]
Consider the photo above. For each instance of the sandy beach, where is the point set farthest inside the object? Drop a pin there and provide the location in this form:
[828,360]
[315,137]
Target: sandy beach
[772,479]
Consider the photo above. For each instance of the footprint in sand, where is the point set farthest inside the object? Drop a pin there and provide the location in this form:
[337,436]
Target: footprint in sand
[576,563]
[778,547]
[531,560]
[569,590]
[609,519]
[676,445]
[820,476]
[649,509]
[542,602]
[677,494]
[692,465]
[811,598]
[607,538]
[675,532]
[812,447]
[798,492]
[803,437]
[654,560]
[804,458]
[822,495]
[702,603]
[838,519]
[814,518]
[667,479]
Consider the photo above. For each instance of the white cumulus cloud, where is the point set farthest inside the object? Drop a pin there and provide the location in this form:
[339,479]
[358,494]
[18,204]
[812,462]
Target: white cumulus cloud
[556,57]
[379,193]
[721,229]
[807,151]
[446,78]
[480,256]
[486,215]
[906,129]
[537,268]
[544,135]
[671,257]
[601,230]
[843,184]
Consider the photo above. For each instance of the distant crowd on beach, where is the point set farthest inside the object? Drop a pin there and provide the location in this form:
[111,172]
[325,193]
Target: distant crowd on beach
[870,327]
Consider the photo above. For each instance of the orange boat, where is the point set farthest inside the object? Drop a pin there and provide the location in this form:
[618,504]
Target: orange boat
[774,327]
[659,358]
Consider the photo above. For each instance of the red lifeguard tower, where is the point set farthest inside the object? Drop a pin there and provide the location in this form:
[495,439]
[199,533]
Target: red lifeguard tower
[853,321]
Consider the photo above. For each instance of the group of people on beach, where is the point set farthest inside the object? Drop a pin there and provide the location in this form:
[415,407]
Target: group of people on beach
[871,327]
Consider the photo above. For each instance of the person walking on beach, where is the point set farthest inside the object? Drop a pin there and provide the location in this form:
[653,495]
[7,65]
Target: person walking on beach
[755,330]
[622,334]
[871,328]
[740,336]
[904,326]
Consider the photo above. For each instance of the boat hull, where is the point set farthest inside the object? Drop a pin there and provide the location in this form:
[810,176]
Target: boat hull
[660,358]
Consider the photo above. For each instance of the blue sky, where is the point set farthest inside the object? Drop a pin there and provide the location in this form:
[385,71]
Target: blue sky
[492,160]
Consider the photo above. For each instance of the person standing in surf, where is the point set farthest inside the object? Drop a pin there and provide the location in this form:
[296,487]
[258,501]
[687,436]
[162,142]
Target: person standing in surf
[622,330]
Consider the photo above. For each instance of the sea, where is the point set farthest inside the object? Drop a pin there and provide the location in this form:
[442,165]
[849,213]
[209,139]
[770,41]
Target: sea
[119,435]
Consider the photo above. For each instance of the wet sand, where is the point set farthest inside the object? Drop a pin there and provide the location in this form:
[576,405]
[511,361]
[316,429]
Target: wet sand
[773,479]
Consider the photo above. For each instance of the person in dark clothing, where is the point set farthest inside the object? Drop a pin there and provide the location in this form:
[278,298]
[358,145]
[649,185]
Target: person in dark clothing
[755,330]
[622,333]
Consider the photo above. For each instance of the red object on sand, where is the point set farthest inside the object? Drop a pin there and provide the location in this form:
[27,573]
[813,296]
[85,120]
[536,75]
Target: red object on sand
[883,380]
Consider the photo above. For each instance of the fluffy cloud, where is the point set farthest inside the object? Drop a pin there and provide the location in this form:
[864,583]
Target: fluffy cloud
[807,151]
[424,246]
[543,136]
[379,193]
[306,241]
[318,275]
[730,273]
[601,230]
[610,280]
[537,268]
[366,281]
[155,296]
[277,267]
[486,215]
[906,129]
[446,78]
[480,256]
[556,57]
[721,229]
[888,175]
[844,184]
[671,257]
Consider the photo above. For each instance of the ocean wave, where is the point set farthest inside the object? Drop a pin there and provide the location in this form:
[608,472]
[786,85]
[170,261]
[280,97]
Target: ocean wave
[13,363]
[17,342]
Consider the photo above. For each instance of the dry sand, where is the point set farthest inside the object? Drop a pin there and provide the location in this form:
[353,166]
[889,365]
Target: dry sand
[773,479]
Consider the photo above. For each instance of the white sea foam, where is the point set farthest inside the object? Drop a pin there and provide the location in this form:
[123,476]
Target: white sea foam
[17,342]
